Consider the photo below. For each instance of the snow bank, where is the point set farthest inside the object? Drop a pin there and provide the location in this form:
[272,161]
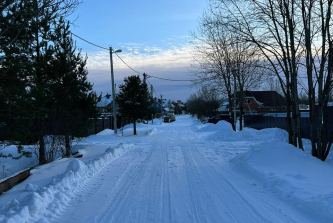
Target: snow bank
[11,166]
[52,198]
[289,172]
[222,131]
[219,126]
[105,132]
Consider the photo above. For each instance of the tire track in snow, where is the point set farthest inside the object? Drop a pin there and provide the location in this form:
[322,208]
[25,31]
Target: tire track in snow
[165,210]
[241,209]
[89,190]
[152,187]
[114,211]
[201,200]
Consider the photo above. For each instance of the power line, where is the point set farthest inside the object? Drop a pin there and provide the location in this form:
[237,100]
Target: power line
[104,48]
[168,79]
[153,88]
[90,42]
[127,64]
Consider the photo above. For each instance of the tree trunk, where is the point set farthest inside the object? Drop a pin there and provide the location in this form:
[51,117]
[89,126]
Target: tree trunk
[134,126]
[289,126]
[329,145]
[42,159]
[231,113]
[240,105]
[68,145]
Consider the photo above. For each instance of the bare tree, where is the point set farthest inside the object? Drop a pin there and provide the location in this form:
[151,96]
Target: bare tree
[290,34]
[204,103]
[272,26]
[273,85]
[317,18]
[224,62]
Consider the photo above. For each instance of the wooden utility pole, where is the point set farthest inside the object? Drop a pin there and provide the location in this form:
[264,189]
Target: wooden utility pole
[113,94]
[145,78]
[151,91]
[162,106]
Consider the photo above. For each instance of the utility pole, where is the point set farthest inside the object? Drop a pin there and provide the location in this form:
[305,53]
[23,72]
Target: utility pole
[162,106]
[144,78]
[113,91]
[151,91]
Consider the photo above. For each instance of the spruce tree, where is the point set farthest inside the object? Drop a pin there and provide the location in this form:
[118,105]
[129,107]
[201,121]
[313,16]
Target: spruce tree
[74,103]
[15,62]
[27,47]
[133,100]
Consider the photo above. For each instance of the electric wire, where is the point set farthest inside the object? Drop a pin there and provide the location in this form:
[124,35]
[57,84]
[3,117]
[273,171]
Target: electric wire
[127,64]
[89,42]
[166,79]
[104,48]
[153,87]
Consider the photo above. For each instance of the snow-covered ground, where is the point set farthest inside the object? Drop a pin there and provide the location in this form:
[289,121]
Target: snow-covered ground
[183,171]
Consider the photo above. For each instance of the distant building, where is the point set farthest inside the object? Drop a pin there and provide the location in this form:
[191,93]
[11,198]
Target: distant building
[260,102]
[179,107]
[264,102]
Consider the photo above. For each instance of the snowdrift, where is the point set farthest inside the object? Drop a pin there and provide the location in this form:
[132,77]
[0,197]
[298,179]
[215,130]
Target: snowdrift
[294,175]
[59,193]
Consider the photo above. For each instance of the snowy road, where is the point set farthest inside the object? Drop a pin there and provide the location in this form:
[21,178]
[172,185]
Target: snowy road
[175,177]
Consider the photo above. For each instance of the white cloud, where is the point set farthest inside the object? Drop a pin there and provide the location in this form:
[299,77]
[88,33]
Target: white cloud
[168,60]
[143,58]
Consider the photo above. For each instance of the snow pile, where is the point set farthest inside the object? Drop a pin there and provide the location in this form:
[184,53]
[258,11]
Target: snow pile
[105,132]
[222,131]
[151,132]
[52,198]
[289,172]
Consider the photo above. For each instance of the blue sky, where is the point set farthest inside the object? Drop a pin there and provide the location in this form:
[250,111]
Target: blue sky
[153,35]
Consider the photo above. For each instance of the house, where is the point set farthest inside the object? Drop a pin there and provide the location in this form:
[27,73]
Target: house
[224,108]
[104,106]
[170,107]
[263,102]
[179,107]
[159,107]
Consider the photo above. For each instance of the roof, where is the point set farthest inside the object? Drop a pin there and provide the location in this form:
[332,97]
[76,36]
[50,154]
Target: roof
[268,98]
[104,102]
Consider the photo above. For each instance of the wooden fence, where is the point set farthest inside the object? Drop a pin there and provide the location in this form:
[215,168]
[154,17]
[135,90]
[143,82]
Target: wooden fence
[107,123]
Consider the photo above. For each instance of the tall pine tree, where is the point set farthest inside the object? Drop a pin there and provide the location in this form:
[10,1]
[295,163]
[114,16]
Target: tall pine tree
[26,74]
[133,100]
[73,100]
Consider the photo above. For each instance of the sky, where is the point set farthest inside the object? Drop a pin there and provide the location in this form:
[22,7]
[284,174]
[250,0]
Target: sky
[154,38]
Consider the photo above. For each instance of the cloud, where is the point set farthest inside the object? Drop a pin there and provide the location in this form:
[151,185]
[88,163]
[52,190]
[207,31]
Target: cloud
[169,54]
[170,59]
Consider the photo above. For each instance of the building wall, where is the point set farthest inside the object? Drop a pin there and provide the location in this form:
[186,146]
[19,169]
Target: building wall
[255,108]
[251,106]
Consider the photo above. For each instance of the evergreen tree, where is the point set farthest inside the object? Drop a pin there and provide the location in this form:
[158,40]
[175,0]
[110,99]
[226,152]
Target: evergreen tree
[15,62]
[27,47]
[133,100]
[73,103]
